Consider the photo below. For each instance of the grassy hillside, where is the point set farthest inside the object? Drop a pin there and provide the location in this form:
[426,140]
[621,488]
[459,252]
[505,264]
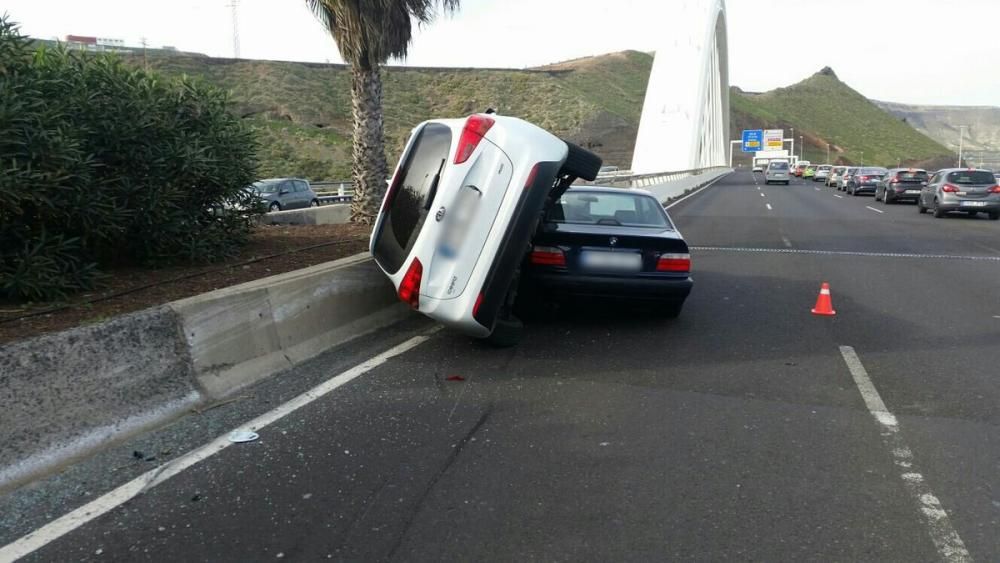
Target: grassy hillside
[825,111]
[301,111]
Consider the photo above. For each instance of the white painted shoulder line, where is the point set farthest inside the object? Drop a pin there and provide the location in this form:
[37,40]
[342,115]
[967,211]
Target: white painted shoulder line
[949,544]
[873,209]
[697,191]
[101,505]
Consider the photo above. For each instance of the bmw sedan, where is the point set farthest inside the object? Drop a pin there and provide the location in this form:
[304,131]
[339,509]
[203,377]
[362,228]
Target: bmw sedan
[609,244]
[961,189]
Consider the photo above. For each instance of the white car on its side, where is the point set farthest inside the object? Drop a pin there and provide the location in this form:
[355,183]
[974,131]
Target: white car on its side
[460,213]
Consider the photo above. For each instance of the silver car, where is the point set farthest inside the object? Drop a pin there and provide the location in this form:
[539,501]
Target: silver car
[835,174]
[967,190]
[822,173]
[280,194]
[777,172]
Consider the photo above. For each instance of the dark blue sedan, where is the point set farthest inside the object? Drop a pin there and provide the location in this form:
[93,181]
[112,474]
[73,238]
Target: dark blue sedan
[610,244]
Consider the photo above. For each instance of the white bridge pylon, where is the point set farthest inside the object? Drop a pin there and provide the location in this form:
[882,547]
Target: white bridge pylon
[685,117]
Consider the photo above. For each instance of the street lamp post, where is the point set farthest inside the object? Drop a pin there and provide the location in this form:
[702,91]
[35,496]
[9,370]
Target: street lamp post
[961,141]
[828,153]
[802,147]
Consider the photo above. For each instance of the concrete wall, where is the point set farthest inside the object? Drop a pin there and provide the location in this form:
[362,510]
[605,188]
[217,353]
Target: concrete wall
[671,190]
[68,394]
[335,214]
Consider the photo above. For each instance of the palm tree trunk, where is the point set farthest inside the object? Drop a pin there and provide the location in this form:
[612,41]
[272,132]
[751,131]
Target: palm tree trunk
[369,171]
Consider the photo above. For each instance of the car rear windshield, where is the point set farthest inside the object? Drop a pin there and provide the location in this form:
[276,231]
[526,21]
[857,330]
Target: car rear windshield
[824,168]
[912,175]
[971,177]
[873,172]
[405,214]
[599,208]
[779,166]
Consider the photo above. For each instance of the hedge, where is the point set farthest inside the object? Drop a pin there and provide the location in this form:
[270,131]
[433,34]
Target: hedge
[104,165]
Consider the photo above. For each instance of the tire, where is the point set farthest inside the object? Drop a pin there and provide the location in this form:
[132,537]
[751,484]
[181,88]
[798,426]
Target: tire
[994,215]
[938,212]
[581,163]
[314,203]
[669,310]
[506,333]
[275,206]
[877,198]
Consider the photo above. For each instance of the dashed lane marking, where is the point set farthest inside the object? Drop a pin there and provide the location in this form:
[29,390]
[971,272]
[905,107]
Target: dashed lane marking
[769,208]
[840,196]
[762,194]
[879,211]
[787,242]
[848,253]
[949,544]
[107,502]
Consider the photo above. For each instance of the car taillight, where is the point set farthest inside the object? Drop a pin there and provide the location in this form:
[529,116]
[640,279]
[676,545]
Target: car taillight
[863,178]
[995,189]
[409,288]
[949,188]
[531,176]
[475,129]
[674,263]
[547,256]
[475,308]
[894,181]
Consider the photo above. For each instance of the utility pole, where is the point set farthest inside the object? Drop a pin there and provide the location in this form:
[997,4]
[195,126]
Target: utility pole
[793,143]
[802,147]
[961,142]
[828,153]
[235,5]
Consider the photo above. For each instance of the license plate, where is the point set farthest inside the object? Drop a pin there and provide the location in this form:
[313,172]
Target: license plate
[974,204]
[611,261]
[913,191]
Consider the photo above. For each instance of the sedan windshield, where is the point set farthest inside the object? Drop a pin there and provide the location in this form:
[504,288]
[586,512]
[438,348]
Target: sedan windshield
[598,208]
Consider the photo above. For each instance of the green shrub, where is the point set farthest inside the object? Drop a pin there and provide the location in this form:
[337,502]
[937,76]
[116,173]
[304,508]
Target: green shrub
[103,164]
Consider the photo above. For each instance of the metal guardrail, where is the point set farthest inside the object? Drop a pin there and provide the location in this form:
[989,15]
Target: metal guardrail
[625,178]
[334,192]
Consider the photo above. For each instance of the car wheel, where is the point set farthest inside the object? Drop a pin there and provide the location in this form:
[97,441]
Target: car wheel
[581,163]
[994,215]
[669,310]
[885,198]
[314,203]
[877,198]
[920,206]
[506,333]
[938,212]
[275,206]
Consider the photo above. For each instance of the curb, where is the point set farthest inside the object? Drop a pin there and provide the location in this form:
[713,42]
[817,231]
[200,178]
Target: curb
[69,394]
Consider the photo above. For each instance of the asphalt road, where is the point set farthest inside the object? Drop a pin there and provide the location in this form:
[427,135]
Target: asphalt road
[747,429]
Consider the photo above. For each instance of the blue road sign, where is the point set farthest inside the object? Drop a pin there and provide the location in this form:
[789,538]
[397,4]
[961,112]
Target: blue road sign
[753,140]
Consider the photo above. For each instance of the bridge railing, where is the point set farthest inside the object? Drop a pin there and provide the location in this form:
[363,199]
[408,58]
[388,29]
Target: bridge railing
[334,192]
[626,179]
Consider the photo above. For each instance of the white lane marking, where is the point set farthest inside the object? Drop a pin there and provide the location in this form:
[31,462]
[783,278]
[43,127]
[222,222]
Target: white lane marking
[762,194]
[817,189]
[101,505]
[698,191]
[840,196]
[787,242]
[849,253]
[758,187]
[769,208]
[879,211]
[949,544]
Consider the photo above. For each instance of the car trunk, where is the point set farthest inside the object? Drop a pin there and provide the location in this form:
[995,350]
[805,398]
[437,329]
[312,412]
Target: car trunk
[592,249]
[972,184]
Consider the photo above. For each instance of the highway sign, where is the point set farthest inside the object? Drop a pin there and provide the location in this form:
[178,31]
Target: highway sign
[774,139]
[753,140]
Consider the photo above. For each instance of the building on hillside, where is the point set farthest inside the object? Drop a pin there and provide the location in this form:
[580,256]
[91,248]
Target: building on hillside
[96,44]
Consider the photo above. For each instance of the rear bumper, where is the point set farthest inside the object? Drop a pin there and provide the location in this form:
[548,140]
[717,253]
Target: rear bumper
[864,189]
[902,196]
[990,207]
[555,285]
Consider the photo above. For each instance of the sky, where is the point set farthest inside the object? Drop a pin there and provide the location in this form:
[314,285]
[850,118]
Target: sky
[942,52]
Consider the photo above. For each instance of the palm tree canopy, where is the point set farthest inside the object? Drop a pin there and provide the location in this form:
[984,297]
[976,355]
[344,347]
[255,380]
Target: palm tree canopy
[370,32]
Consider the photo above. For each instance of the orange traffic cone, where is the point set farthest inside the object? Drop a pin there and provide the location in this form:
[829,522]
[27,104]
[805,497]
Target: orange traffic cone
[824,305]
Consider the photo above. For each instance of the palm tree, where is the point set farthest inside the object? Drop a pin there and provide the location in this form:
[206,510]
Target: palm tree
[368,33]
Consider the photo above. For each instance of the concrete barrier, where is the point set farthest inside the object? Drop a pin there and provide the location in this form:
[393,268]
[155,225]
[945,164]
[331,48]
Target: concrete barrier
[336,214]
[68,394]
[667,191]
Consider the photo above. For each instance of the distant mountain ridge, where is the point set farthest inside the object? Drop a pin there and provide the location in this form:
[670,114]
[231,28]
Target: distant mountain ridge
[981,137]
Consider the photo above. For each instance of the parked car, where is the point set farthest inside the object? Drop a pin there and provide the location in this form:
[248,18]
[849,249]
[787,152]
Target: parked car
[609,244]
[835,173]
[460,213]
[280,194]
[969,190]
[865,180]
[901,184]
[845,178]
[822,173]
[778,172]
[809,172]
